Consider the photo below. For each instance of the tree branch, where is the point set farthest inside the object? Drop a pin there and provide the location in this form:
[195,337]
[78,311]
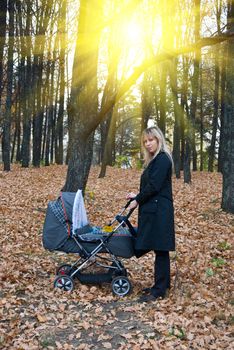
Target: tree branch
[166,55]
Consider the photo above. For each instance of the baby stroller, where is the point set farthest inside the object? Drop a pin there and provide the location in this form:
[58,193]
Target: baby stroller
[96,247]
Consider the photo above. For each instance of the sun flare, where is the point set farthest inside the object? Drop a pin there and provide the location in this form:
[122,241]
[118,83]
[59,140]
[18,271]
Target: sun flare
[134,33]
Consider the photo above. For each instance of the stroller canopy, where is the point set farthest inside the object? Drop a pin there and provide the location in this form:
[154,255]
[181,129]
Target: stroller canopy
[58,222]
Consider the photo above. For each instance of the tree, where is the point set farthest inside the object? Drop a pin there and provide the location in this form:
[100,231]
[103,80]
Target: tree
[108,125]
[83,105]
[7,118]
[43,17]
[3,19]
[216,92]
[39,80]
[62,42]
[190,148]
[222,107]
[228,124]
[27,94]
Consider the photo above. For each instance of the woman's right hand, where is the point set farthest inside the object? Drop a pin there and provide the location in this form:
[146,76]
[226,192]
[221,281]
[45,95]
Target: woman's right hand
[131,195]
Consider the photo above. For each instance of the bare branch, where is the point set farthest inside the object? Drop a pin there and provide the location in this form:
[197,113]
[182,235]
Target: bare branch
[155,60]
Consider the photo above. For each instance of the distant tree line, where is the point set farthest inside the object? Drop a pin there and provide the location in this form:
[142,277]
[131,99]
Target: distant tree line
[71,91]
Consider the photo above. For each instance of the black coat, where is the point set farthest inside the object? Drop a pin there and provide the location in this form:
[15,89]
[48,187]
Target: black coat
[156,211]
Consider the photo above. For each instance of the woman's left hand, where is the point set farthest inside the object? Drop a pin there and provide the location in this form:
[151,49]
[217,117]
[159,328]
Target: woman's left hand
[133,204]
[131,195]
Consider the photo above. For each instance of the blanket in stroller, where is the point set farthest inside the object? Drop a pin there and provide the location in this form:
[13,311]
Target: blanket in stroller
[58,230]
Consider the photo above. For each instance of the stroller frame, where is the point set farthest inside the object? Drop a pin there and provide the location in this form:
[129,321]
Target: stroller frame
[116,273]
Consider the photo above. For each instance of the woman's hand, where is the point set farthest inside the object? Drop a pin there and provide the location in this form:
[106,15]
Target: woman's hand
[131,195]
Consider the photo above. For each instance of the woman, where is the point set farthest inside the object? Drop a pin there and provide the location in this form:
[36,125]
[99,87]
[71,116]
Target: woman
[156,212]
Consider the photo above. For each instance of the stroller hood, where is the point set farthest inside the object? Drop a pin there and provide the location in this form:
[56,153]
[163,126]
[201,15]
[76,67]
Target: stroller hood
[58,221]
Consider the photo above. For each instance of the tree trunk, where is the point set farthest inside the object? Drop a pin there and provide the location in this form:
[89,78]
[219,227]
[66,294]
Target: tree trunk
[187,159]
[218,6]
[194,83]
[215,118]
[156,102]
[109,90]
[59,126]
[178,112]
[201,122]
[108,151]
[54,148]
[162,103]
[190,133]
[146,102]
[3,17]
[28,101]
[16,140]
[50,99]
[222,108]
[47,135]
[228,124]
[7,118]
[83,105]
[38,122]
[43,16]
[184,107]
[107,125]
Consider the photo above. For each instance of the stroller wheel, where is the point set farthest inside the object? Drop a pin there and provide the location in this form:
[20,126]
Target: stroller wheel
[64,269]
[121,286]
[64,282]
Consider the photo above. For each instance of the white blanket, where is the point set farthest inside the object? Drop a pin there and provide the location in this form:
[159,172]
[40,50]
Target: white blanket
[79,216]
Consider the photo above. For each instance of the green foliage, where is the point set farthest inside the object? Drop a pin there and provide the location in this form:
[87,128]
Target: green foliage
[139,164]
[205,159]
[224,245]
[218,262]
[177,332]
[122,161]
[210,272]
[89,195]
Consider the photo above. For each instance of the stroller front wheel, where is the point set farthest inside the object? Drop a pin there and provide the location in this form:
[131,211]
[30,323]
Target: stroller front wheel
[121,286]
[64,282]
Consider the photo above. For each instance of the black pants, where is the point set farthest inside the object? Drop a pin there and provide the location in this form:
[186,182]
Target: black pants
[161,273]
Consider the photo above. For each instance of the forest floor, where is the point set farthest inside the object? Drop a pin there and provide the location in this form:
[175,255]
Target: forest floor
[197,314]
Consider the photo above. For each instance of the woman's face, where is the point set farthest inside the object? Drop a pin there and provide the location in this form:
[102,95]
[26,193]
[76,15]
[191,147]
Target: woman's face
[151,144]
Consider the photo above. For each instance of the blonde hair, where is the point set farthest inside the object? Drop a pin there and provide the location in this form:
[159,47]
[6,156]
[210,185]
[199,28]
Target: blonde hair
[155,132]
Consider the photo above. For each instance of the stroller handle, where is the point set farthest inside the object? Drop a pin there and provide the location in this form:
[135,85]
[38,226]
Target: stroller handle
[124,218]
[128,203]
[130,213]
[120,218]
[131,210]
